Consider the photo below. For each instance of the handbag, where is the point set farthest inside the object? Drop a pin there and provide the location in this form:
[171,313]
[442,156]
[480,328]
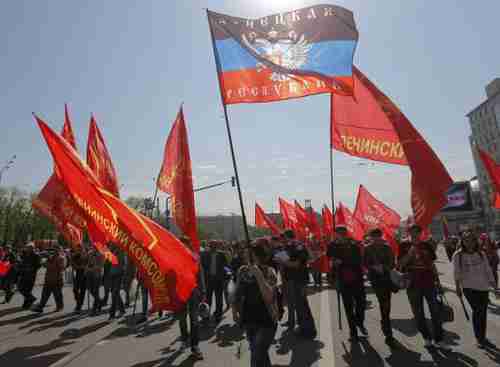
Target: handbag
[445,310]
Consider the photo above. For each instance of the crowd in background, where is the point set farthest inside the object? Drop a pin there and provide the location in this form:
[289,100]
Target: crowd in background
[269,278]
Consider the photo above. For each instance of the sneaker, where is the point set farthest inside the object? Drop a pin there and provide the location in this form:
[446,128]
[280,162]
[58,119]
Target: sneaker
[443,345]
[184,345]
[196,352]
[141,320]
[481,345]
[37,310]
[428,343]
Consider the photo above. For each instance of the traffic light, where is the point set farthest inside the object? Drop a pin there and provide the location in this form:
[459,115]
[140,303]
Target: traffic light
[233,181]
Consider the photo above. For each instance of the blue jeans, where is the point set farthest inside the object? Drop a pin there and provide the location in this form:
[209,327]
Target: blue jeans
[416,297]
[145,300]
[260,339]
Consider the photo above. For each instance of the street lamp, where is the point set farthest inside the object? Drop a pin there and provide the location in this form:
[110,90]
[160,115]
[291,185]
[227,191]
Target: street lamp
[203,188]
[7,165]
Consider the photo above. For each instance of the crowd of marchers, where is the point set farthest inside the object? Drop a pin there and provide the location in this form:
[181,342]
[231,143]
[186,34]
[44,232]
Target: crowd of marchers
[265,280]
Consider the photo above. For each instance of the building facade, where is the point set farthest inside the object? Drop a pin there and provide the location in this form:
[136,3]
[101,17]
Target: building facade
[484,121]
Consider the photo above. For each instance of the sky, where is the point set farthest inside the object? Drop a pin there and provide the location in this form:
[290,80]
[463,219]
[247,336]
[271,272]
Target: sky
[132,63]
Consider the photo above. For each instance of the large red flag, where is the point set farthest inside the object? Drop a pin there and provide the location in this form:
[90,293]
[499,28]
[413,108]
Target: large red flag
[373,127]
[328,222]
[371,212]
[55,202]
[99,160]
[493,170]
[176,179]
[167,267]
[343,216]
[263,221]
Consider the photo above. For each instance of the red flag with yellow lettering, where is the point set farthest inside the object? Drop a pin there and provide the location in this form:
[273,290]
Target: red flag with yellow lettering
[167,267]
[176,179]
[99,160]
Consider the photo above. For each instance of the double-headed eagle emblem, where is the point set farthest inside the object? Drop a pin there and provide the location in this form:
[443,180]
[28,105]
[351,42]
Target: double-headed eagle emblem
[289,52]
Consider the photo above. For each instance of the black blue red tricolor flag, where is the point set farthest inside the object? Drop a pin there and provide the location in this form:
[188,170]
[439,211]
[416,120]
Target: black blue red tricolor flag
[287,55]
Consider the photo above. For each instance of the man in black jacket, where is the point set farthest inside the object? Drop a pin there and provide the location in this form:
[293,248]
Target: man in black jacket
[347,259]
[214,263]
[30,263]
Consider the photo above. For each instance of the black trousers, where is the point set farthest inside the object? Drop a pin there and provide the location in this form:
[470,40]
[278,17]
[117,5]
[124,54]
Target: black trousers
[52,289]
[384,296]
[215,287]
[416,297]
[354,300]
[260,339]
[305,318]
[26,284]
[191,310]
[478,301]
[116,298]
[79,288]
[93,284]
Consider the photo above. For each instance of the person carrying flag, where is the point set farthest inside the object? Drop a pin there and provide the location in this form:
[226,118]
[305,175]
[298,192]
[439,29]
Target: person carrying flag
[379,260]
[191,308]
[348,261]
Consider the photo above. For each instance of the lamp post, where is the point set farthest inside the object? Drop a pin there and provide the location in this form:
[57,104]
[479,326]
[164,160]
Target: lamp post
[7,165]
[203,188]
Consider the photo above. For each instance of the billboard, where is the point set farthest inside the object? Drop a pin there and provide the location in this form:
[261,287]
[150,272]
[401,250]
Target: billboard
[459,197]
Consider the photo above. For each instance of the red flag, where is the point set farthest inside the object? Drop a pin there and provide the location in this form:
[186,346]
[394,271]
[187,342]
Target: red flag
[99,160]
[343,216]
[328,222]
[314,225]
[67,131]
[55,202]
[167,267]
[376,127]
[287,211]
[371,212]
[176,179]
[303,226]
[493,173]
[263,221]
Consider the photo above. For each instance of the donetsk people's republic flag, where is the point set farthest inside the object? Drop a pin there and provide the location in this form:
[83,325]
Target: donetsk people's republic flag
[287,55]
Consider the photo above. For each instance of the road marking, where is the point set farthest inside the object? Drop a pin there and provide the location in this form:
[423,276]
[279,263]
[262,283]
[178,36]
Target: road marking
[326,331]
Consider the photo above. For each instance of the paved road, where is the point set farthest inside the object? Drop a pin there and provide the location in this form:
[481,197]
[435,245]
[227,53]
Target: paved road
[63,339]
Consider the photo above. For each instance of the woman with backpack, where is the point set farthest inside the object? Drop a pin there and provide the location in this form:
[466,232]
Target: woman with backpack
[474,279]
[255,306]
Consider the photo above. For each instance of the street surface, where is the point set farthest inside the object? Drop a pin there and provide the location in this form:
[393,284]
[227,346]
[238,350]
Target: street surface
[67,340]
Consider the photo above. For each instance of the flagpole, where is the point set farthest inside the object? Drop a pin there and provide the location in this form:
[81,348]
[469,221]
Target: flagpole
[228,128]
[337,283]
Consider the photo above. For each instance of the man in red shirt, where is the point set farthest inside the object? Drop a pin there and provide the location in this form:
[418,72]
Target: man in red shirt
[417,258]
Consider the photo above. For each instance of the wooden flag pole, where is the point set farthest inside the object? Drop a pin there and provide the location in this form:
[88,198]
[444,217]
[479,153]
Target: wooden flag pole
[228,128]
